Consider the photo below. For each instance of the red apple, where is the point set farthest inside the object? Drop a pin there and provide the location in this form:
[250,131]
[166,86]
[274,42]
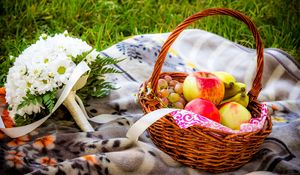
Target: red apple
[203,85]
[233,115]
[205,108]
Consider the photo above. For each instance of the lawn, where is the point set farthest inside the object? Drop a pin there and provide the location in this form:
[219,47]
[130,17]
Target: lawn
[104,23]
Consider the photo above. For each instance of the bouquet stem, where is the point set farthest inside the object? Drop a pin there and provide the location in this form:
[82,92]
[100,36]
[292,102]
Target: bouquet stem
[76,112]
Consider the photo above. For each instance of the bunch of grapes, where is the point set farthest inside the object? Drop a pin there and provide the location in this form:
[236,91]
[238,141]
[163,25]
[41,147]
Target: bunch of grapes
[170,93]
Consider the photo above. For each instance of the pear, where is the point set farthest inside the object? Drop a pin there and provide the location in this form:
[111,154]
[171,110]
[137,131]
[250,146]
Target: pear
[235,89]
[227,79]
[241,98]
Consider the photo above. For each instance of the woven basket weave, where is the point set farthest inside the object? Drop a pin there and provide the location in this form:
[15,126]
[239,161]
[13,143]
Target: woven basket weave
[200,147]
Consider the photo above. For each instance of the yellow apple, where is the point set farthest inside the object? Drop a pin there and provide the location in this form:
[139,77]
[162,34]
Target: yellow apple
[233,115]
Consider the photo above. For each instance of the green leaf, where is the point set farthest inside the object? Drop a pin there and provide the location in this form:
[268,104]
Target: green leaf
[49,100]
[96,85]
[81,57]
[30,99]
[25,120]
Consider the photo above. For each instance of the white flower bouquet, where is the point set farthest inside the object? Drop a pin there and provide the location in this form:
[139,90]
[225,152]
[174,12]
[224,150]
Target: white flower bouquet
[40,72]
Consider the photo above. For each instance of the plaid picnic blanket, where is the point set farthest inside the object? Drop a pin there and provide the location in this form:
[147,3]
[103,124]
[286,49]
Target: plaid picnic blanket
[59,147]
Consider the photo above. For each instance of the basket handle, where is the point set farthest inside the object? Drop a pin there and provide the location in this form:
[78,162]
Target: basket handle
[256,85]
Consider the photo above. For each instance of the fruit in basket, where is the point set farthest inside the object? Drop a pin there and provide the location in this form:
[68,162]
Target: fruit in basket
[164,93]
[203,85]
[241,98]
[173,83]
[178,105]
[233,115]
[174,97]
[232,87]
[226,78]
[205,108]
[162,84]
[164,101]
[178,88]
[168,78]
[237,88]
[170,93]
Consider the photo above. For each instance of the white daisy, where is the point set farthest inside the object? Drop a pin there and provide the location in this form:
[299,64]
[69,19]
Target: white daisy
[61,70]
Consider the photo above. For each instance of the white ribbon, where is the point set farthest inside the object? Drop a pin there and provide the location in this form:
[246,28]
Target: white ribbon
[145,122]
[79,70]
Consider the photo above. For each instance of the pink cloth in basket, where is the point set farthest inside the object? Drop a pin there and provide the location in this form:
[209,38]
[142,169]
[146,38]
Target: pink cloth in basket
[185,119]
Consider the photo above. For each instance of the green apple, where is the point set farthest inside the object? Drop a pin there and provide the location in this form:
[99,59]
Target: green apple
[233,115]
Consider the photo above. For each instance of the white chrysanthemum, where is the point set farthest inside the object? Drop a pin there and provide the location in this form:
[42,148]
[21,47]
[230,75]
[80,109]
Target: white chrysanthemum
[42,67]
[61,70]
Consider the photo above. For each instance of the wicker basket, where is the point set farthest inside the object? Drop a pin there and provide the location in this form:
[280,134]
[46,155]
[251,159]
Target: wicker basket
[200,147]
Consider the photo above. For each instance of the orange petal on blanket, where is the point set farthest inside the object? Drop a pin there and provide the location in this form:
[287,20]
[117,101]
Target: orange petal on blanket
[44,142]
[18,141]
[91,159]
[47,161]
[15,159]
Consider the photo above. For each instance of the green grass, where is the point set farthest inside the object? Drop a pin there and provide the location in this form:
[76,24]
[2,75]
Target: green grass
[104,23]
